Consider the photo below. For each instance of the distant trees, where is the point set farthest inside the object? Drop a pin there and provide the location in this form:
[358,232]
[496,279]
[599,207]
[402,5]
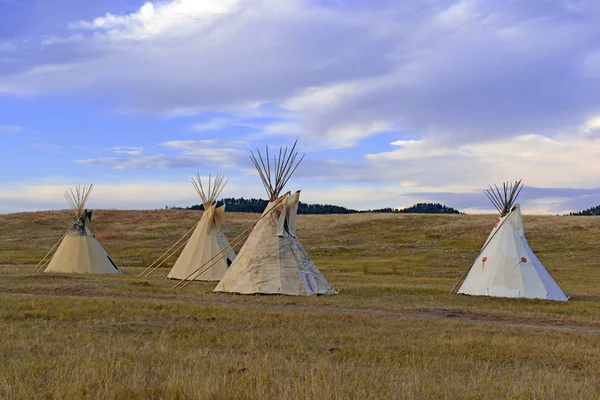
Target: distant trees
[239,205]
[429,208]
[588,212]
[259,205]
[420,208]
[304,208]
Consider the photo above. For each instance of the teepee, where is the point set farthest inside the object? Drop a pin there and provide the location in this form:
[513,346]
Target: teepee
[273,261]
[207,254]
[506,266]
[79,251]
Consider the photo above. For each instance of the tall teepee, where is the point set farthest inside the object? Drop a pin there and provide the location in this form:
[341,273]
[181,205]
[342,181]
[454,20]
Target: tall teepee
[506,266]
[272,261]
[207,255]
[79,250]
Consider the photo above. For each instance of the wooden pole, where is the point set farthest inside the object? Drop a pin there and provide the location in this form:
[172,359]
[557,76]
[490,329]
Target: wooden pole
[175,244]
[59,240]
[169,256]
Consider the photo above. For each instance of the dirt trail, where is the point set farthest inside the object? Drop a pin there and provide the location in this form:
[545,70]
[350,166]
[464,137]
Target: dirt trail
[457,316]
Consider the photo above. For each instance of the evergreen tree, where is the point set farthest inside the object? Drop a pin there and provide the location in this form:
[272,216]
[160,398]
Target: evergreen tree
[588,212]
[259,205]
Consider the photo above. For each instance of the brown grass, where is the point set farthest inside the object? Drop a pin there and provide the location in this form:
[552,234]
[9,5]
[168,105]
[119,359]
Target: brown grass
[392,332]
[107,235]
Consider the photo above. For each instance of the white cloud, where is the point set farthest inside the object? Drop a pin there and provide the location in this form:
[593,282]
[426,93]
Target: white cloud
[190,154]
[159,161]
[459,70]
[541,161]
[406,143]
[211,151]
[458,15]
[591,126]
[157,20]
[52,40]
[134,151]
[10,129]
[211,125]
[7,46]
[40,196]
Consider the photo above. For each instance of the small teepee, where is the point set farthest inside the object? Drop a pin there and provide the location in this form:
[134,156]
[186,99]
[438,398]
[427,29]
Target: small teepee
[79,250]
[273,261]
[207,254]
[506,266]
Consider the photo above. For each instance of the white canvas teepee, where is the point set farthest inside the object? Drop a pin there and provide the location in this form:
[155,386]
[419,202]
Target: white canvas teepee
[207,254]
[506,266]
[273,261]
[79,250]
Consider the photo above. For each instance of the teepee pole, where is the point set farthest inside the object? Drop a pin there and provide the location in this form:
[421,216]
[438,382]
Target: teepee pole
[222,183]
[262,171]
[491,196]
[275,173]
[53,247]
[480,251]
[180,239]
[169,256]
[233,243]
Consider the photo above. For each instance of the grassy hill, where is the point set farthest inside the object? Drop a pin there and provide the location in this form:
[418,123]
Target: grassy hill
[392,330]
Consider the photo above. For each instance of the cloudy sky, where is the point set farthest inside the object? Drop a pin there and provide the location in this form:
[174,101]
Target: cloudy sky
[393,102]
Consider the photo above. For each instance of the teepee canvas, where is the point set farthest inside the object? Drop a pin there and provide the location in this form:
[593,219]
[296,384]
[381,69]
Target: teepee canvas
[273,261]
[79,250]
[207,254]
[506,266]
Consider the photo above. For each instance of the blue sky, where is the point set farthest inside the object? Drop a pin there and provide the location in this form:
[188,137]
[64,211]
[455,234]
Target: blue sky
[393,102]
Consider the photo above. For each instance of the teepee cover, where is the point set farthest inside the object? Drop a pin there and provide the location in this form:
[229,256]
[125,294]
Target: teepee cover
[80,251]
[506,265]
[273,261]
[208,245]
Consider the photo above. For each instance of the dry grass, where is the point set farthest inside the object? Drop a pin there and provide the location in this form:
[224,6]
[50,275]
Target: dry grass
[107,235]
[126,337]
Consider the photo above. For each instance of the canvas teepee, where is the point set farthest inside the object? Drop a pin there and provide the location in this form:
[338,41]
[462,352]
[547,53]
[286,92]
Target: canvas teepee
[506,266]
[272,261]
[207,246]
[79,250]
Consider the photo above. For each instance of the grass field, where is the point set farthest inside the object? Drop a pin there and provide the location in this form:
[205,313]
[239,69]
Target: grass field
[392,332]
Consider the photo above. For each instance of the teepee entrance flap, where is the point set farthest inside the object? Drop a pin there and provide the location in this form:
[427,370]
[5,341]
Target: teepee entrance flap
[292,211]
[218,216]
[282,220]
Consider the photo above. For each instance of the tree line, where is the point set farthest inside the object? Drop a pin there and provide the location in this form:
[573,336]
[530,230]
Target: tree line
[259,205]
[588,212]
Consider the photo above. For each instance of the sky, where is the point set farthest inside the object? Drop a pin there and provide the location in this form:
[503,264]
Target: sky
[393,102]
